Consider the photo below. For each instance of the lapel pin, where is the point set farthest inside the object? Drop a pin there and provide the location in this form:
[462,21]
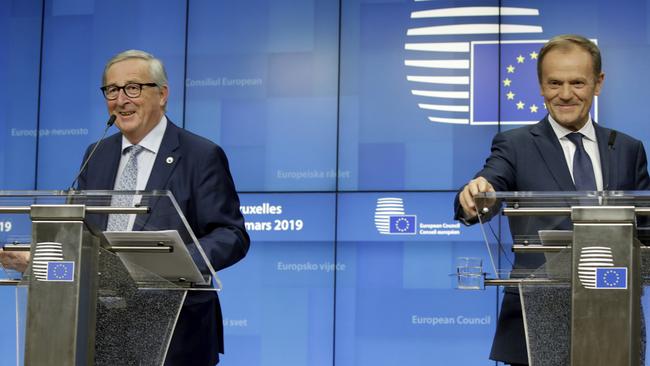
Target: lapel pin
[169,160]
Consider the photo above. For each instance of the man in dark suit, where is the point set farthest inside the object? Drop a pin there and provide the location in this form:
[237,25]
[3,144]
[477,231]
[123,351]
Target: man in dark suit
[541,158]
[194,169]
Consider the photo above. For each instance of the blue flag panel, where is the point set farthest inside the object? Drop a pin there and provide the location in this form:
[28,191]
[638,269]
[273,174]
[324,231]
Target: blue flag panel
[611,277]
[60,271]
[403,224]
[511,95]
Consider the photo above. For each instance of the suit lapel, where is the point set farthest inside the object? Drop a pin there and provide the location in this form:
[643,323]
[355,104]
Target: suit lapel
[166,161]
[602,137]
[551,152]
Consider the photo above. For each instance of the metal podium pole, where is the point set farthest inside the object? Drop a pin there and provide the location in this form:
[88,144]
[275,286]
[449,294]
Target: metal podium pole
[62,296]
[606,287]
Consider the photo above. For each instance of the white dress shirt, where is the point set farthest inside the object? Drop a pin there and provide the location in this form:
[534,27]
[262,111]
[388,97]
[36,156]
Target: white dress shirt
[151,144]
[590,143]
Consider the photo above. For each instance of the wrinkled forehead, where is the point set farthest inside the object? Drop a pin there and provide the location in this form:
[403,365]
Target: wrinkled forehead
[569,59]
[569,55]
[132,69]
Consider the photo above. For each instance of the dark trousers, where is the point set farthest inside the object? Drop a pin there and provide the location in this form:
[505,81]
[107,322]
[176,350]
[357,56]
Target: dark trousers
[197,339]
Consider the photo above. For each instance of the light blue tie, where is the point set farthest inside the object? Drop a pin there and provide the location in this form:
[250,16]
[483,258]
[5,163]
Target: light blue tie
[583,169]
[126,182]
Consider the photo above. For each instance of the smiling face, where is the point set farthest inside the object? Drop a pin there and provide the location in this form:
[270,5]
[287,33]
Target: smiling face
[568,85]
[135,116]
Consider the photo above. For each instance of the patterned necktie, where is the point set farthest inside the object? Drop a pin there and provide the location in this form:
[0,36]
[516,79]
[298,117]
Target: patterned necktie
[583,170]
[126,182]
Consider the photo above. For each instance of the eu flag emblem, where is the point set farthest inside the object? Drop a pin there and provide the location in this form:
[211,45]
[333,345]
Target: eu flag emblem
[611,277]
[510,96]
[60,271]
[402,224]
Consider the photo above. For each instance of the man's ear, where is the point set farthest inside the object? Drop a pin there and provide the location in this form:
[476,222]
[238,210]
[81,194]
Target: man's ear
[599,83]
[164,95]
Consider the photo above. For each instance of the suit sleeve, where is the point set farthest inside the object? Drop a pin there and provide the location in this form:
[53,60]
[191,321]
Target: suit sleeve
[218,222]
[499,170]
[642,181]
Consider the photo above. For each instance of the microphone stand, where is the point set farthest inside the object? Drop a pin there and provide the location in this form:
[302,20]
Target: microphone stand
[109,123]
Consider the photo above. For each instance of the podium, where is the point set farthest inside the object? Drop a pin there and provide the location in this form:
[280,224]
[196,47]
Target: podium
[579,267]
[90,297]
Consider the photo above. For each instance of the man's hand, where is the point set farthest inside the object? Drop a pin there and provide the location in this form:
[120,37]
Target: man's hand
[466,197]
[15,260]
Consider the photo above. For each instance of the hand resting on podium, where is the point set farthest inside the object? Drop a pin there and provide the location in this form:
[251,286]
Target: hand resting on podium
[18,261]
[466,199]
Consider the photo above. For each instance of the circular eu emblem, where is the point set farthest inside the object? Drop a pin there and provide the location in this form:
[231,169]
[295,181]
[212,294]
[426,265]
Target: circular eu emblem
[611,278]
[59,271]
[402,224]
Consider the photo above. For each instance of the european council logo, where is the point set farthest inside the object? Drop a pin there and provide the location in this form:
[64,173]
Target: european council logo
[439,54]
[461,73]
[596,269]
[390,218]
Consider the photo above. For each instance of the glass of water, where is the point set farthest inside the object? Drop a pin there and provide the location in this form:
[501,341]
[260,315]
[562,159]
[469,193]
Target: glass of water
[469,272]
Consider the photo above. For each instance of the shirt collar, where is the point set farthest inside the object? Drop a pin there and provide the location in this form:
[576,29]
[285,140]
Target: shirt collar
[151,142]
[587,130]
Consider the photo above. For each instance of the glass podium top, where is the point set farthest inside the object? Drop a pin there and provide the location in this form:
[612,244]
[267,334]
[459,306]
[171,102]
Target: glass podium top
[155,242]
[562,198]
[529,234]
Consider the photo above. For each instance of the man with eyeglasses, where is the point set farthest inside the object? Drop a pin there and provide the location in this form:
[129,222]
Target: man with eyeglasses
[194,169]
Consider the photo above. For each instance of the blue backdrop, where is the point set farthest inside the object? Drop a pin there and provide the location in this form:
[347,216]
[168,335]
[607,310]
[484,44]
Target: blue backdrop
[326,108]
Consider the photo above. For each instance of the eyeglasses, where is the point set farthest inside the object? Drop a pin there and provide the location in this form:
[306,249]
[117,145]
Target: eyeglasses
[132,90]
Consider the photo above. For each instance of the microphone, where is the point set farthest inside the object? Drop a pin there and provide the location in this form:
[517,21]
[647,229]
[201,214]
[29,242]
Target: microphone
[610,148]
[109,123]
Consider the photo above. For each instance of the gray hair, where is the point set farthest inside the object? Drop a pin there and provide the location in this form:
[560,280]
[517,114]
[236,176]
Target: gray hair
[156,68]
[566,41]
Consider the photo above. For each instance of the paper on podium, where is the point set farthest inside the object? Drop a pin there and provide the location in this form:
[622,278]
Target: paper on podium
[174,266]
[555,237]
[558,265]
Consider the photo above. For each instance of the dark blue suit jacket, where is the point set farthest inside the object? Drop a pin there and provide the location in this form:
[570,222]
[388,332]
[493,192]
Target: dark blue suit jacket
[530,158]
[200,180]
